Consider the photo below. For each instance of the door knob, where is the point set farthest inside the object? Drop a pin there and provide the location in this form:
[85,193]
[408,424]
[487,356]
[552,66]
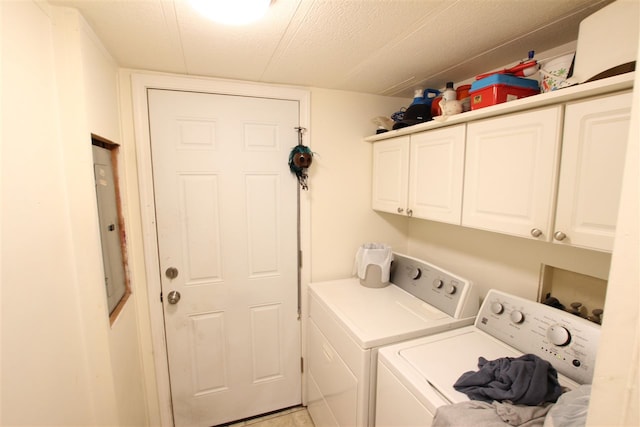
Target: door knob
[171,272]
[173,297]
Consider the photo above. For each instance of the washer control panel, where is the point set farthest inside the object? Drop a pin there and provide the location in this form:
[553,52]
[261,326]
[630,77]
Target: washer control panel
[568,342]
[442,289]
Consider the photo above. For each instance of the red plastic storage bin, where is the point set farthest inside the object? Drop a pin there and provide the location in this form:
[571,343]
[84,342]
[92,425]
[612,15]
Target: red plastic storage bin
[499,88]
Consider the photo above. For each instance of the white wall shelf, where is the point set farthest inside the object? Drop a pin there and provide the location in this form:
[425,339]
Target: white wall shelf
[585,90]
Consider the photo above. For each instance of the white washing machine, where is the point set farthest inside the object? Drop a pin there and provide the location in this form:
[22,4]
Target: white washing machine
[416,377]
[349,322]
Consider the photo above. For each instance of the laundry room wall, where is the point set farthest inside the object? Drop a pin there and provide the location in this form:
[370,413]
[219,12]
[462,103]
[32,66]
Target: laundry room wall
[615,394]
[340,181]
[38,278]
[88,82]
[494,260]
[62,362]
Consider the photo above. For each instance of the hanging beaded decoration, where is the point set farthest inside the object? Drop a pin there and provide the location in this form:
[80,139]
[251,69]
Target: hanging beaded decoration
[300,159]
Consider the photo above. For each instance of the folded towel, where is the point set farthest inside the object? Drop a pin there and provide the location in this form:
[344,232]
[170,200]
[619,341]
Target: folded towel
[525,380]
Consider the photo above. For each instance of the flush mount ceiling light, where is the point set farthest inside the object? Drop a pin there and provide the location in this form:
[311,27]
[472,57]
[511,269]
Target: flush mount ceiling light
[231,12]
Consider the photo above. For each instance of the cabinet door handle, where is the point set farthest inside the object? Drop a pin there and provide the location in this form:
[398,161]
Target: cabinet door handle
[536,232]
[400,210]
[559,235]
[410,212]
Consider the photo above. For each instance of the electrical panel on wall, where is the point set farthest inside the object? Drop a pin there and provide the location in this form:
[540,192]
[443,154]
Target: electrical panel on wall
[110,233]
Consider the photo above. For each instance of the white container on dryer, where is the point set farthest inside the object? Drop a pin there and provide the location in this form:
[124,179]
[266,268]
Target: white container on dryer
[349,322]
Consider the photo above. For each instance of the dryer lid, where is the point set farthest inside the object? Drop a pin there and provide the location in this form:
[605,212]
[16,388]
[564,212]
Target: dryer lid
[380,316]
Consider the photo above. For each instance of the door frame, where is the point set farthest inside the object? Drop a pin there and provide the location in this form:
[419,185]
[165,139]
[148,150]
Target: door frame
[140,83]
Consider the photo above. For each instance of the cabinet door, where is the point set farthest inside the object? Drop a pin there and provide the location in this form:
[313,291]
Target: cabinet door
[511,172]
[390,175]
[593,154]
[436,174]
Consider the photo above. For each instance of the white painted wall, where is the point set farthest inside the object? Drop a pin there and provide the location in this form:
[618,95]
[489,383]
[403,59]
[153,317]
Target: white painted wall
[615,396]
[135,242]
[493,260]
[340,181]
[62,363]
[100,82]
[44,362]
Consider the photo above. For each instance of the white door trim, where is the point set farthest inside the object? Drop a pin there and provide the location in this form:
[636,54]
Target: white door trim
[139,85]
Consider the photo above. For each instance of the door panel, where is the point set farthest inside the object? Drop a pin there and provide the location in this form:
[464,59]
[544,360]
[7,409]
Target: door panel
[593,156]
[511,167]
[390,175]
[226,208]
[436,174]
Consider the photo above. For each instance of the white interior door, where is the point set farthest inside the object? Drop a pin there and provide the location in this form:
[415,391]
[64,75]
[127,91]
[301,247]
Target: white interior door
[226,207]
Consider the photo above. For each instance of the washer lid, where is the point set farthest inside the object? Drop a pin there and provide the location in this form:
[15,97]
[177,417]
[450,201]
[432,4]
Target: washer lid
[442,361]
[380,316]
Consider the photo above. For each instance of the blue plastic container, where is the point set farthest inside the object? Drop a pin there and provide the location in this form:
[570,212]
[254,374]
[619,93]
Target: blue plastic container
[505,79]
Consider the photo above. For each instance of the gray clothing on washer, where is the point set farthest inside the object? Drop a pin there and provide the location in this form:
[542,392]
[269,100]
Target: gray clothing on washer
[524,380]
[475,413]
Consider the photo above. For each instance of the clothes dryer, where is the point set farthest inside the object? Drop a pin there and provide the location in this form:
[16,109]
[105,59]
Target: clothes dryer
[349,322]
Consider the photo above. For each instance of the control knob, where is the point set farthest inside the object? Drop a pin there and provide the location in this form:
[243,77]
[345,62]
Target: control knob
[415,273]
[517,316]
[558,335]
[497,308]
[437,283]
[450,289]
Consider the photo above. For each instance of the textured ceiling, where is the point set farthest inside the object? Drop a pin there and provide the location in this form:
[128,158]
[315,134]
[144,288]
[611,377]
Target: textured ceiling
[386,47]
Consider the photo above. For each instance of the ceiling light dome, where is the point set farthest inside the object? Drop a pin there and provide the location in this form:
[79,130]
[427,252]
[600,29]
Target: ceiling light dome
[232,12]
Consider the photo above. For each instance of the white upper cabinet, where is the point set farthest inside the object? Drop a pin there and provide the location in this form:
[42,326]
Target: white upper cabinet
[511,172]
[593,157]
[390,175]
[436,173]
[546,167]
[421,176]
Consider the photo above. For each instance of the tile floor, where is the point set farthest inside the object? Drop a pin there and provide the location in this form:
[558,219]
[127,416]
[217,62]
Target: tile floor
[292,417]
